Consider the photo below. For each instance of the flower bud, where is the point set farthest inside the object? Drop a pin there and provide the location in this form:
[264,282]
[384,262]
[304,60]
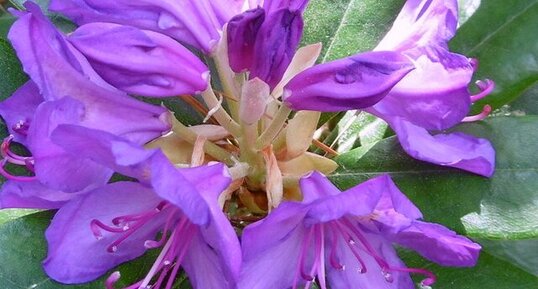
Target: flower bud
[156,65]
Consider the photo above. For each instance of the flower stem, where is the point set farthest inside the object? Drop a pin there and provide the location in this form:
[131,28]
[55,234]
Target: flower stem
[221,115]
[274,128]
[209,147]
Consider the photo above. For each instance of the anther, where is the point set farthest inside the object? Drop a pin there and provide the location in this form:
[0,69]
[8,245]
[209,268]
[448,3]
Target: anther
[21,127]
[387,275]
[486,87]
[485,112]
[112,279]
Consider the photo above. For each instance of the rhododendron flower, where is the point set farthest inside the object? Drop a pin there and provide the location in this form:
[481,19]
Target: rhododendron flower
[345,239]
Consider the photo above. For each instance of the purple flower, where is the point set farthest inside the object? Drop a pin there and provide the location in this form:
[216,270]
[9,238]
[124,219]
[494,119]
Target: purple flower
[263,40]
[64,89]
[345,239]
[197,23]
[118,222]
[357,81]
[434,96]
[153,64]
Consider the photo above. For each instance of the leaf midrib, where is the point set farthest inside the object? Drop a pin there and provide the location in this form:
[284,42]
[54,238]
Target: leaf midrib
[504,25]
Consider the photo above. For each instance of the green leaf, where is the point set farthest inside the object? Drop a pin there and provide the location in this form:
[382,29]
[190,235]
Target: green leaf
[6,21]
[522,253]
[504,207]
[23,248]
[501,35]
[12,75]
[527,103]
[10,214]
[489,273]
[346,27]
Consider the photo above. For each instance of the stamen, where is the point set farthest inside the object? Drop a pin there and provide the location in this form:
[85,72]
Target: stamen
[214,110]
[96,226]
[485,112]
[150,244]
[486,87]
[431,278]
[302,256]
[9,176]
[333,259]
[112,279]
[350,242]
[11,156]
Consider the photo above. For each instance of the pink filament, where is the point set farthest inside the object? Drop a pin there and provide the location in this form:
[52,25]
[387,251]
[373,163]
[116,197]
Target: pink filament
[485,112]
[486,87]
[9,176]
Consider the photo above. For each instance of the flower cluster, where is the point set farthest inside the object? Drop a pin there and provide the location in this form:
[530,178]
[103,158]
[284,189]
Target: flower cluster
[127,176]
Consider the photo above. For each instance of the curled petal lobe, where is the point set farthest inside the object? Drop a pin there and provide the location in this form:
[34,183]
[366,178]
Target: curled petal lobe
[157,65]
[19,109]
[54,166]
[242,31]
[456,150]
[437,243]
[32,195]
[354,82]
[75,254]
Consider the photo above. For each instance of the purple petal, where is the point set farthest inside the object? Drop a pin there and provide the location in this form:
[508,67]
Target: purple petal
[434,95]
[19,109]
[204,264]
[276,43]
[75,254]
[57,62]
[32,195]
[106,149]
[157,65]
[357,201]
[242,31]
[60,71]
[196,23]
[273,5]
[316,186]
[373,278]
[422,23]
[393,199]
[354,82]
[456,150]
[184,190]
[271,248]
[54,167]
[438,244]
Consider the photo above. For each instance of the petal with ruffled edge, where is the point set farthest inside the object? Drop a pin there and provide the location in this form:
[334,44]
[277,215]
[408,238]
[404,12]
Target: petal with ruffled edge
[157,65]
[420,23]
[54,167]
[75,255]
[19,110]
[357,201]
[354,82]
[181,187]
[350,277]
[456,150]
[434,242]
[197,23]
[32,195]
[106,149]
[393,199]
[434,95]
[272,248]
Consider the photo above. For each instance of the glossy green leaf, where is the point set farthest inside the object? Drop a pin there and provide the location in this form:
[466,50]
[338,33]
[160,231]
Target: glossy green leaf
[12,75]
[490,273]
[502,36]
[521,253]
[23,247]
[6,21]
[10,214]
[527,103]
[346,27]
[504,207]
